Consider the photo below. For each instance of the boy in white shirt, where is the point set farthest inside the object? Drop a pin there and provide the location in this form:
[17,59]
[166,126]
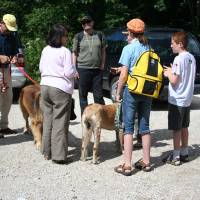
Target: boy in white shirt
[181,77]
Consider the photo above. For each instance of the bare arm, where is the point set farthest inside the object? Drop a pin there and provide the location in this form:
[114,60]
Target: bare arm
[173,78]
[74,58]
[103,58]
[4,59]
[122,81]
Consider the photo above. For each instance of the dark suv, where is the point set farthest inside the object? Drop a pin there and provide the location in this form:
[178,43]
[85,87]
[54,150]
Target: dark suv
[160,41]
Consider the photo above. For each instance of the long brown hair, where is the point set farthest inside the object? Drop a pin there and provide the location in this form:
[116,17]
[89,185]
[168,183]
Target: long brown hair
[140,36]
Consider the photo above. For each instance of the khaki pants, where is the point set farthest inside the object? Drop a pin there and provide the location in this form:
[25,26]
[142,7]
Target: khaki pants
[56,107]
[5,98]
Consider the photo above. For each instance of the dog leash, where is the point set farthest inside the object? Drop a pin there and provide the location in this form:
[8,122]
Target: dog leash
[4,84]
[26,75]
[118,117]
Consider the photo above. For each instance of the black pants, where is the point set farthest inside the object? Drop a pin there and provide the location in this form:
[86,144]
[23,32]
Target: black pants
[90,80]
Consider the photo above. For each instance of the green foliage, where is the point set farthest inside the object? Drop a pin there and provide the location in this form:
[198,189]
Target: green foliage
[35,17]
[39,21]
[116,15]
[32,55]
[160,5]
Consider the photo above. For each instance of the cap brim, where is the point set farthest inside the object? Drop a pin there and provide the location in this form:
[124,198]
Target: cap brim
[10,28]
[125,32]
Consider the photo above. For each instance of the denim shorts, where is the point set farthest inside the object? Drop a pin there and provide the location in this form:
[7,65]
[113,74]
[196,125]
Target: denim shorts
[133,103]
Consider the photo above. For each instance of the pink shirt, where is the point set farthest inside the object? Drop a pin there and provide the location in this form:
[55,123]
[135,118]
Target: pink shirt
[56,68]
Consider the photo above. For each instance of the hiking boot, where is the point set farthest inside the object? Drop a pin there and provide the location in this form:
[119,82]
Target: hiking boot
[169,159]
[8,131]
[184,158]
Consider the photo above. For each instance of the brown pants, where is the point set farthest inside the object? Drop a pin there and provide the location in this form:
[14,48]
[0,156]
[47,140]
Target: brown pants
[56,107]
[5,99]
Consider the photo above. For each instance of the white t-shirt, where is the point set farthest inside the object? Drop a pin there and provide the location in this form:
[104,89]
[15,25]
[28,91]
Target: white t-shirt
[56,68]
[184,66]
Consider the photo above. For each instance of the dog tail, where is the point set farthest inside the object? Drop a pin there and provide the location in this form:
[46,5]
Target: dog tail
[23,109]
[87,123]
[37,106]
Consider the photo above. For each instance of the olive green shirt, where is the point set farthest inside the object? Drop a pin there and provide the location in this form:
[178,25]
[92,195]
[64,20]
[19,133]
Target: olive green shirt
[89,49]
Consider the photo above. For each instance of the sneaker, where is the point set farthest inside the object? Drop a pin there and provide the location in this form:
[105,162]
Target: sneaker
[184,158]
[140,165]
[169,159]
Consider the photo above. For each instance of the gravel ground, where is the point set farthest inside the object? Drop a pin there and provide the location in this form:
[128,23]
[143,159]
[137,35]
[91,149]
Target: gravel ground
[25,175]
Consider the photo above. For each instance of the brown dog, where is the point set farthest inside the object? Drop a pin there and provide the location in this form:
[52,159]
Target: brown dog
[29,101]
[96,117]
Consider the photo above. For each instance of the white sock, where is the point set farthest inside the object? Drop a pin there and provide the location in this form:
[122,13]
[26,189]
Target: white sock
[184,151]
[176,154]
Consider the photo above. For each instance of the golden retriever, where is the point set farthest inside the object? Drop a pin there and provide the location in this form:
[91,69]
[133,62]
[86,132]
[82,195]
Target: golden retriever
[29,101]
[96,117]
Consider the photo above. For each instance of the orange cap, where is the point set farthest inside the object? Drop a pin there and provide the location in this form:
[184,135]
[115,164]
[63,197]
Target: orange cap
[136,26]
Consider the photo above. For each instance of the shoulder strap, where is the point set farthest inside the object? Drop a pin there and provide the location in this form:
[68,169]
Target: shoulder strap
[100,36]
[79,38]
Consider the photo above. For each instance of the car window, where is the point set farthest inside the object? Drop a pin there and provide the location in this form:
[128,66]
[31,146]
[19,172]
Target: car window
[115,36]
[160,43]
[193,46]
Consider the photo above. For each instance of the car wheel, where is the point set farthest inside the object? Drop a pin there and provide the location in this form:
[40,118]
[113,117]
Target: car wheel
[113,86]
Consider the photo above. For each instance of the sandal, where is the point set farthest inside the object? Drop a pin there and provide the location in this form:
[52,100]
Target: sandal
[124,170]
[47,157]
[142,166]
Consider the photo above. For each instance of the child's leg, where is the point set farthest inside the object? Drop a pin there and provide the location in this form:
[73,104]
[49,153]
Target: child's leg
[185,132]
[128,148]
[184,141]
[146,143]
[177,143]
[184,137]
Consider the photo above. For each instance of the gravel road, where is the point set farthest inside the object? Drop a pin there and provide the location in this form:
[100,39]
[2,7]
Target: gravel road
[25,175]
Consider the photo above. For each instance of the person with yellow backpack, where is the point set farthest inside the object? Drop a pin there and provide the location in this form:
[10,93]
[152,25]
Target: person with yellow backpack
[133,102]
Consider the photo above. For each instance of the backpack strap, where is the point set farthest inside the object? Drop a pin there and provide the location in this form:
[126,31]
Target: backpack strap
[118,116]
[79,38]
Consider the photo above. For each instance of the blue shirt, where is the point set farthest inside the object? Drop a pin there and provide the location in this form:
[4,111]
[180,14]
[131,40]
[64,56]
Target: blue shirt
[131,53]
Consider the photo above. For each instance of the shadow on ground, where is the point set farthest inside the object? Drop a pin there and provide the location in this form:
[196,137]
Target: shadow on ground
[10,139]
[107,150]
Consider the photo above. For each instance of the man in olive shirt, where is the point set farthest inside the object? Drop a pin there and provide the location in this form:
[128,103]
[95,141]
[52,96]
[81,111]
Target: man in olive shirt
[89,57]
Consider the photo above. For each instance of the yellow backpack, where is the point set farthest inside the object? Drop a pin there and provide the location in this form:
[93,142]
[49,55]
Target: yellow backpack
[147,75]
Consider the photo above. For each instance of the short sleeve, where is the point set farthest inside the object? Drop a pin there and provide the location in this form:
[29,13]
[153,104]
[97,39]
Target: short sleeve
[69,69]
[125,57]
[75,43]
[103,42]
[176,67]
